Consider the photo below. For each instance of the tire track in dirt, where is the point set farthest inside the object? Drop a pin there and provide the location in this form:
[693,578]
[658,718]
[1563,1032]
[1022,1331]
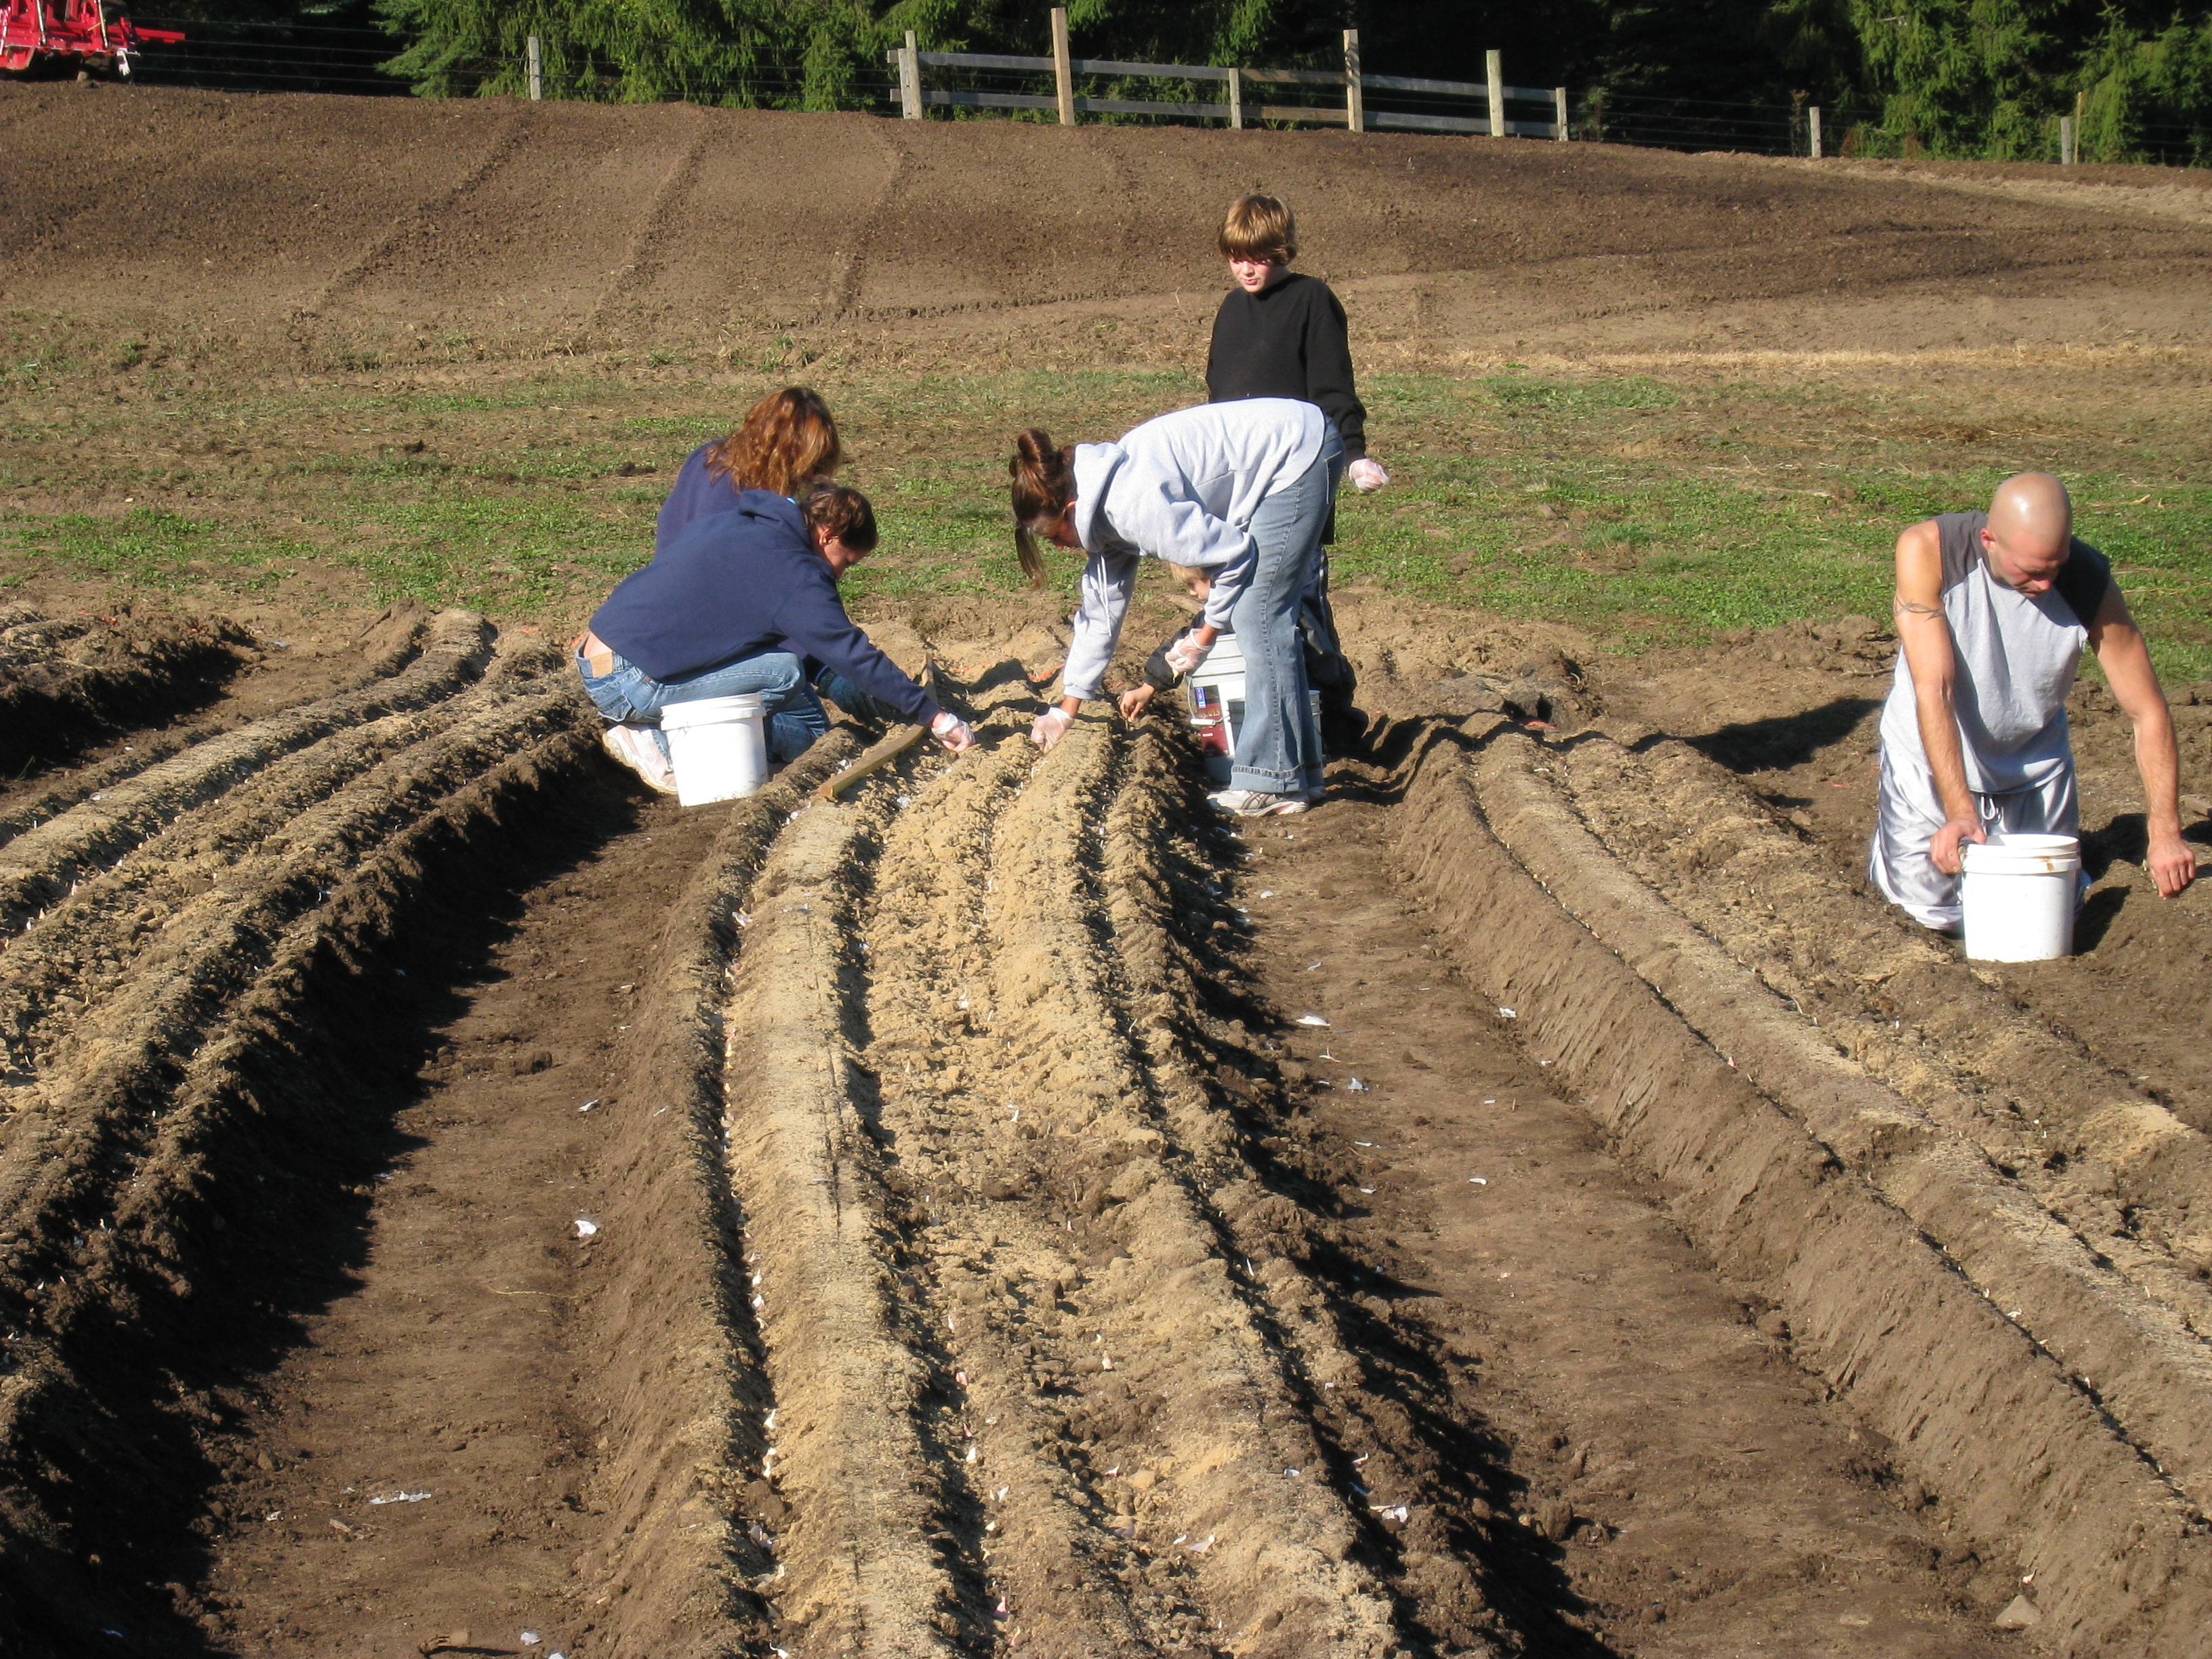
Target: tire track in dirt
[2119,1559]
[845,293]
[504,139]
[660,224]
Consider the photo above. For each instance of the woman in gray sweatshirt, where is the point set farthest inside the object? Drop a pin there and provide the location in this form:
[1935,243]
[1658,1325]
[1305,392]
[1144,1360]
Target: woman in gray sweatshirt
[1241,490]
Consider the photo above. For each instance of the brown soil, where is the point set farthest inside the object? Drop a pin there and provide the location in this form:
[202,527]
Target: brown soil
[985,1254]
[67,681]
[1029,1241]
[404,231]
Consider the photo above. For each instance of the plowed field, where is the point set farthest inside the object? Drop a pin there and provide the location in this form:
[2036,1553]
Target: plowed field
[1539,1203]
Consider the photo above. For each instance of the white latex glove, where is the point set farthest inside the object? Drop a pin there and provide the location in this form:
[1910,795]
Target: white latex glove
[1049,727]
[1186,654]
[955,734]
[1367,474]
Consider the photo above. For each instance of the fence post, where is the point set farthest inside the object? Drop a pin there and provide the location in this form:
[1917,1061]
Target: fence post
[1812,130]
[910,63]
[1063,69]
[1355,95]
[2065,140]
[1494,63]
[1235,99]
[534,66]
[1560,111]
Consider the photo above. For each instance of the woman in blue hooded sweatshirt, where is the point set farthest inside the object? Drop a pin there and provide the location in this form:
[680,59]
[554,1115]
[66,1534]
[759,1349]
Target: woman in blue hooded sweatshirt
[738,602]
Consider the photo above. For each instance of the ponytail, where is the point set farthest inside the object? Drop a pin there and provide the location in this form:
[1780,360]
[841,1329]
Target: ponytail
[1043,485]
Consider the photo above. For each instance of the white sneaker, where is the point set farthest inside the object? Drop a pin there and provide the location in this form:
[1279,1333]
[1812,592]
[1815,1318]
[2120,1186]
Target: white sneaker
[1256,803]
[639,749]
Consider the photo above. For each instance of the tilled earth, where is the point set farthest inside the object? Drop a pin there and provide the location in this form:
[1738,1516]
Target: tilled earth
[1537,1203]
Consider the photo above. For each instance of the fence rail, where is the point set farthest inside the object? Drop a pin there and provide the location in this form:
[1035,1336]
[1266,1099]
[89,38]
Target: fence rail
[1493,95]
[311,57]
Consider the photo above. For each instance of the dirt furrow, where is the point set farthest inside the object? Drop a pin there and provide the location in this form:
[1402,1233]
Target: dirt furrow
[874,1555]
[1376,1383]
[579,1411]
[65,681]
[2136,1359]
[41,865]
[2119,1560]
[74,952]
[994,1268]
[78,1126]
[2115,1166]
[114,1375]
[1236,1477]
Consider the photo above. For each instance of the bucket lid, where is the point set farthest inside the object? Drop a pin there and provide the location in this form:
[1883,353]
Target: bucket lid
[1226,658]
[711,711]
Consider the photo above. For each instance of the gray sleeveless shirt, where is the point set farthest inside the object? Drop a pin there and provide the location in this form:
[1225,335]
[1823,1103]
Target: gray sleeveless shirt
[2016,658]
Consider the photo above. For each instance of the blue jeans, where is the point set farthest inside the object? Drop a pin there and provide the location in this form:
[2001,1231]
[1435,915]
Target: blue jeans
[1276,752]
[628,695]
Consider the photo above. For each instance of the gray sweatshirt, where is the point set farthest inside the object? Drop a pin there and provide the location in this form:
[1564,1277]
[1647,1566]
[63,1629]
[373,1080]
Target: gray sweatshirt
[1181,488]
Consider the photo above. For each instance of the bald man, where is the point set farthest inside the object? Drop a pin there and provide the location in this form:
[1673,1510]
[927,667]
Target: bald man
[1992,611]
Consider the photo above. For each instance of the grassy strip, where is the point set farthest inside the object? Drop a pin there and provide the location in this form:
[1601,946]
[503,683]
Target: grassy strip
[1642,512]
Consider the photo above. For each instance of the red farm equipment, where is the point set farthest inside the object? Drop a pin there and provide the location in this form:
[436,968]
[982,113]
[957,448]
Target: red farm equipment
[52,35]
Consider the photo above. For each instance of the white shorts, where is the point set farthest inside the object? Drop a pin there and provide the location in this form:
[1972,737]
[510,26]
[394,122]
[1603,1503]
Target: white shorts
[1910,812]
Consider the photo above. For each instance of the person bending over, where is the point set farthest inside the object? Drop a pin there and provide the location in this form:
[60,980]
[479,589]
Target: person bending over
[1993,610]
[739,602]
[786,441]
[1238,490]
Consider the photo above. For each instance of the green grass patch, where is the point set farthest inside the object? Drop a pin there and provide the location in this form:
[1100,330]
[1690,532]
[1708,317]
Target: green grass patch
[1642,511]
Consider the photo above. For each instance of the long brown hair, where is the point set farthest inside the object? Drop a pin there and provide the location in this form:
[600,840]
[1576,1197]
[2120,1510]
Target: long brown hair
[1043,485]
[786,439]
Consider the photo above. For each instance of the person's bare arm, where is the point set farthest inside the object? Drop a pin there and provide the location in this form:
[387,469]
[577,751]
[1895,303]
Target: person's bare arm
[1924,636]
[2121,651]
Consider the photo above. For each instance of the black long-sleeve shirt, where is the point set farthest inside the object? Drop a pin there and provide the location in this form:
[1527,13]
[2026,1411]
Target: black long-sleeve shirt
[1287,341]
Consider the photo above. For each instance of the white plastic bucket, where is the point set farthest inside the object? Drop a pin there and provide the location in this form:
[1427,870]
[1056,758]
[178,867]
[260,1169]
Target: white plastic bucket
[718,746]
[1217,706]
[2020,893]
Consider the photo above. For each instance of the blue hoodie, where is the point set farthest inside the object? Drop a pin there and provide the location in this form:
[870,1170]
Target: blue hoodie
[696,494]
[732,585]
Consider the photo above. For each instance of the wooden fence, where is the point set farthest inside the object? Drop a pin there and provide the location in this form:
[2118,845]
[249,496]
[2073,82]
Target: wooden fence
[1356,113]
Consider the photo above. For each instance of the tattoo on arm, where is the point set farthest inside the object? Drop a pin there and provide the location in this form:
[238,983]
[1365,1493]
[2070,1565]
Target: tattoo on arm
[1906,607]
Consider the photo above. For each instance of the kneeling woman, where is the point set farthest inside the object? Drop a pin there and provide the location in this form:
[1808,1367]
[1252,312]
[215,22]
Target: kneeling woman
[738,602]
[1239,489]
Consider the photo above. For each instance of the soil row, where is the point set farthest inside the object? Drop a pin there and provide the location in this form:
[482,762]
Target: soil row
[2044,1377]
[165,1122]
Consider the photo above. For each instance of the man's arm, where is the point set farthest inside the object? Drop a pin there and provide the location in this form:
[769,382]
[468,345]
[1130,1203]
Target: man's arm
[2120,650]
[1924,635]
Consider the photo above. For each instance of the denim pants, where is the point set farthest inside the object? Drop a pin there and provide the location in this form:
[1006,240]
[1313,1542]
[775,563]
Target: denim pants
[1275,749]
[626,694]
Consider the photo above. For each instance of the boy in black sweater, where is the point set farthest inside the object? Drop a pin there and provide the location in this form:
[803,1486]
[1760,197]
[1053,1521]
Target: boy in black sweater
[1281,335]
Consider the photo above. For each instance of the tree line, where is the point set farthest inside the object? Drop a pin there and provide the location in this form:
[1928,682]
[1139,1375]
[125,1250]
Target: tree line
[1945,78]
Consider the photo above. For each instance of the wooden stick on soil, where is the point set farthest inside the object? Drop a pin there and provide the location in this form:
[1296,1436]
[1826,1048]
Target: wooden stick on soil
[901,740]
